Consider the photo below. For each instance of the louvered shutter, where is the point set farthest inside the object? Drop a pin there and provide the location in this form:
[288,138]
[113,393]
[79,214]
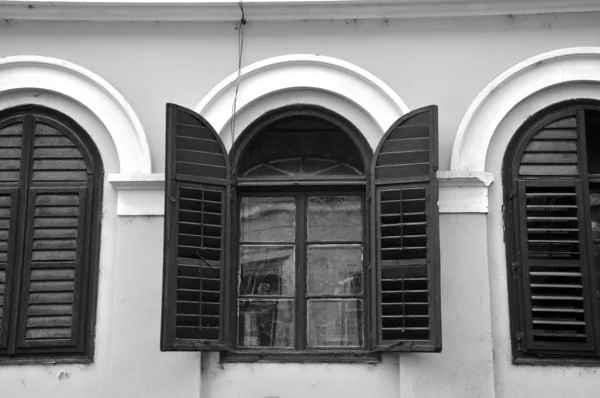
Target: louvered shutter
[57,243]
[11,143]
[550,268]
[406,238]
[196,207]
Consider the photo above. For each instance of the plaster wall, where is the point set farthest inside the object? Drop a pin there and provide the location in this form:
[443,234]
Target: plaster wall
[440,61]
[426,61]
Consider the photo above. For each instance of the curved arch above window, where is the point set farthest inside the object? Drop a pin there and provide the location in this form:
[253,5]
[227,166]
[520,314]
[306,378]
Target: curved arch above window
[355,93]
[507,92]
[18,73]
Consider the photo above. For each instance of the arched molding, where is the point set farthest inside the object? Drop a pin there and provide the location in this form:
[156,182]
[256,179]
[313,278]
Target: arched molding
[361,120]
[511,88]
[81,86]
[332,82]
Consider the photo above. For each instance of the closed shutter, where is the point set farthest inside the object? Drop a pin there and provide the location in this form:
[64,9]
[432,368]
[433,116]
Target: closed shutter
[8,218]
[11,143]
[406,238]
[196,201]
[549,271]
[56,245]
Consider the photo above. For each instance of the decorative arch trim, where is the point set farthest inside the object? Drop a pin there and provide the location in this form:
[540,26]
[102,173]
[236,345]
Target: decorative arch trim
[508,90]
[302,72]
[28,72]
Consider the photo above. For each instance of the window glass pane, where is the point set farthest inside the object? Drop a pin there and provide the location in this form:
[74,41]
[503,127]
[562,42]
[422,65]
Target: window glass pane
[267,270]
[334,218]
[301,145]
[267,219]
[334,269]
[335,323]
[266,323]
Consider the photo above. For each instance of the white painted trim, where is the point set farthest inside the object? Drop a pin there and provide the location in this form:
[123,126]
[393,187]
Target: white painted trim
[137,182]
[301,72]
[264,10]
[503,94]
[143,194]
[463,192]
[139,194]
[28,72]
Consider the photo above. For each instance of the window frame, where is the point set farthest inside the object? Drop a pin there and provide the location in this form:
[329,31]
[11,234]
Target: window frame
[84,328]
[274,186]
[512,234]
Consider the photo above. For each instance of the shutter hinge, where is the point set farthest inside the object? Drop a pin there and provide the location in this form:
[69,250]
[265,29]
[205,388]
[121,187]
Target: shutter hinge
[516,267]
[172,199]
[520,341]
[512,195]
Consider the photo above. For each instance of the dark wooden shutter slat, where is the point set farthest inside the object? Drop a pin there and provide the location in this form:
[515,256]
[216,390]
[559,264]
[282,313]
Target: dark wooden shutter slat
[8,224]
[196,206]
[555,294]
[406,242]
[552,152]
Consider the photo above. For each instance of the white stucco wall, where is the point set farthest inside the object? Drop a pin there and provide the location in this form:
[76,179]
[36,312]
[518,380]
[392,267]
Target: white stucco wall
[425,61]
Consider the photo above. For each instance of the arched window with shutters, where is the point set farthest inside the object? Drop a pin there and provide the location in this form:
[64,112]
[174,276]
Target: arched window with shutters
[300,243]
[50,193]
[552,200]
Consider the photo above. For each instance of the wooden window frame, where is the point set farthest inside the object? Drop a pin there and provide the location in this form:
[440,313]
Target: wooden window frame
[512,235]
[86,295]
[251,186]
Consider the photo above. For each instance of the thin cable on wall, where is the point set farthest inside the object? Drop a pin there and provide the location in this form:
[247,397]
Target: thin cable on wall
[243,22]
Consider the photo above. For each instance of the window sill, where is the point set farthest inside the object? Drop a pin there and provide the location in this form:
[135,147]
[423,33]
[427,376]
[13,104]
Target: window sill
[301,357]
[7,361]
[556,361]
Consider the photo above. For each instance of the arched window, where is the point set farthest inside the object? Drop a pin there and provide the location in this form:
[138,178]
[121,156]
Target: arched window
[50,192]
[552,197]
[300,243]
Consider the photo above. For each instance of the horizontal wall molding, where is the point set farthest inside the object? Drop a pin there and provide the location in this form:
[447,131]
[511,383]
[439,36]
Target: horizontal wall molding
[143,194]
[464,191]
[139,194]
[265,10]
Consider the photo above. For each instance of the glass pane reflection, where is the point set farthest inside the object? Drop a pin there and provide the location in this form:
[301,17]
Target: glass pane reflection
[267,219]
[334,218]
[334,269]
[335,323]
[267,270]
[266,323]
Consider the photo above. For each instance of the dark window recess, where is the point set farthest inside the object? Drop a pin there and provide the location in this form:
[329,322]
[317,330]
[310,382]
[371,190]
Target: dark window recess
[312,249]
[551,212]
[49,232]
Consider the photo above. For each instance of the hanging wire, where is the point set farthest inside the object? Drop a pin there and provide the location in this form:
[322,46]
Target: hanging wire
[241,25]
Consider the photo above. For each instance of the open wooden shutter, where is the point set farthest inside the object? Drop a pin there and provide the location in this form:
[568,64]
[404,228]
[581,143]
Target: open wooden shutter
[57,244]
[406,239]
[549,272]
[196,206]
